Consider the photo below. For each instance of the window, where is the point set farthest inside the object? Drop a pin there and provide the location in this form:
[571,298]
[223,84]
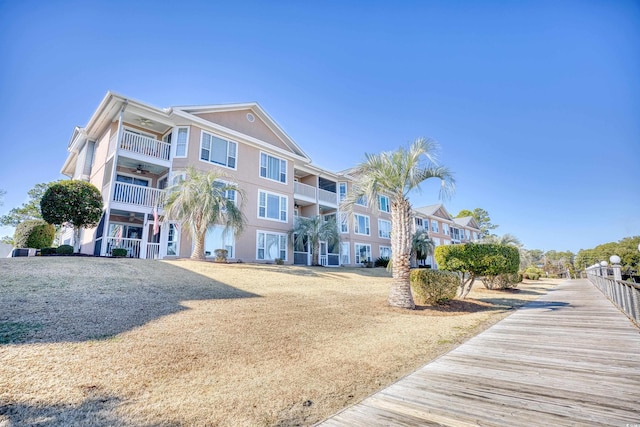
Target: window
[272,206]
[362,252]
[362,201]
[384,229]
[344,253]
[273,168]
[181,142]
[344,222]
[271,246]
[385,252]
[229,194]
[361,224]
[419,225]
[173,240]
[445,229]
[132,180]
[434,225]
[217,150]
[177,178]
[342,191]
[383,203]
[217,238]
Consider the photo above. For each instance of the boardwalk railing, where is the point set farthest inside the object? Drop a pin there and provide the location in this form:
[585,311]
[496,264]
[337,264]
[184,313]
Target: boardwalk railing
[625,295]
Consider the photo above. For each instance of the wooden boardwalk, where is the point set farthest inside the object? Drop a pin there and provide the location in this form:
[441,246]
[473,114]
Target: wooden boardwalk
[568,359]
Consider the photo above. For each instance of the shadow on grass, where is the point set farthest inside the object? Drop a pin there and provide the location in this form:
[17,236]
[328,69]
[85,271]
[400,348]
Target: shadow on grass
[96,410]
[80,299]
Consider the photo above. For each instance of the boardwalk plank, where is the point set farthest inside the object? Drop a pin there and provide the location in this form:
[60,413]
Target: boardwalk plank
[568,359]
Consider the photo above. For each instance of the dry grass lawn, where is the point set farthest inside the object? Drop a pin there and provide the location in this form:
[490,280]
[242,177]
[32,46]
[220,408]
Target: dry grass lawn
[87,341]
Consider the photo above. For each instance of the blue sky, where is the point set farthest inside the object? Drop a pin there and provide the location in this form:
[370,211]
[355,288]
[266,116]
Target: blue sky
[536,105]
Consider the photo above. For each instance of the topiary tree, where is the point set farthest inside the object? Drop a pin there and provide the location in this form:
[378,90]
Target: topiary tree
[34,233]
[72,203]
[433,286]
[472,260]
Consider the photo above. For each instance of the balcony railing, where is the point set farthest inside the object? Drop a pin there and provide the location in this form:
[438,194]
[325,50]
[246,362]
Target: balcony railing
[304,190]
[153,250]
[327,196]
[144,145]
[138,195]
[131,245]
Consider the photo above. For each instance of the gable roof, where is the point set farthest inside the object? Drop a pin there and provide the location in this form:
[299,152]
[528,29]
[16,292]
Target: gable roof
[437,210]
[194,112]
[467,221]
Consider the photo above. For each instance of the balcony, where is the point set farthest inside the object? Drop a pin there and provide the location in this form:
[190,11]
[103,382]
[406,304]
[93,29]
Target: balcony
[328,198]
[304,192]
[145,146]
[307,194]
[138,195]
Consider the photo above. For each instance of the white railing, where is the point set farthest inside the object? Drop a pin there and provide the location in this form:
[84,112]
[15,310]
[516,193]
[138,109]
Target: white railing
[145,145]
[131,245]
[323,260]
[138,195]
[327,196]
[153,250]
[625,295]
[304,190]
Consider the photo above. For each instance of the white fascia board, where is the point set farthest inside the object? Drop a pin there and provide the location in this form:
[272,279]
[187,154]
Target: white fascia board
[69,168]
[207,125]
[316,170]
[255,108]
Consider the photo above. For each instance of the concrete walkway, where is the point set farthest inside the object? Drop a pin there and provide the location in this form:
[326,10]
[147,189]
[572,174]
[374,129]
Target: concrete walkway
[571,358]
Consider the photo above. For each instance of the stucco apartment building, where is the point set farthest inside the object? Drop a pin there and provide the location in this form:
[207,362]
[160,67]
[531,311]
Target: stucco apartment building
[133,151]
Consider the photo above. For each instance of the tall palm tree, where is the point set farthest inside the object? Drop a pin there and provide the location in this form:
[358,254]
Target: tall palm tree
[314,230]
[421,246]
[201,200]
[395,174]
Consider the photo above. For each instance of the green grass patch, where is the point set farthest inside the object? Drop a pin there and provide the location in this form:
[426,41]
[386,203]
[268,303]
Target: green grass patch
[14,332]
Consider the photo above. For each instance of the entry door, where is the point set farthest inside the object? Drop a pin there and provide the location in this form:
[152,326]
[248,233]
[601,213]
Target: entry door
[323,253]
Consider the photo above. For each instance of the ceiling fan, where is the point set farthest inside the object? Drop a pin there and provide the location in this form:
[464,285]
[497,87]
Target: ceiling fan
[139,170]
[145,122]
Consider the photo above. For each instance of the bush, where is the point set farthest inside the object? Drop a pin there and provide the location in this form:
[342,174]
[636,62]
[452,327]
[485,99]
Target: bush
[279,261]
[502,281]
[382,262]
[533,273]
[531,276]
[433,286]
[34,233]
[119,252]
[64,250]
[221,255]
[48,251]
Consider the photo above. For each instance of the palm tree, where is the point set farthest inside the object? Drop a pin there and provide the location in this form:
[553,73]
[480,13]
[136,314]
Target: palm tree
[395,174]
[505,239]
[421,246]
[314,230]
[201,200]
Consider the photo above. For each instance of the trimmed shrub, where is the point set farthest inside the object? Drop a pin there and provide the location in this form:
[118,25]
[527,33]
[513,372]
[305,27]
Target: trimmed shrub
[48,251]
[382,262]
[279,261]
[221,255]
[533,273]
[64,250]
[34,233]
[119,252]
[433,286]
[502,281]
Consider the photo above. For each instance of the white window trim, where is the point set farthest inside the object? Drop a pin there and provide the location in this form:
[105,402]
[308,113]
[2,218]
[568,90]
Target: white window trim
[174,142]
[356,252]
[275,233]
[346,189]
[279,200]
[177,241]
[355,223]
[344,219]
[366,201]
[286,174]
[209,162]
[380,204]
[385,247]
[380,221]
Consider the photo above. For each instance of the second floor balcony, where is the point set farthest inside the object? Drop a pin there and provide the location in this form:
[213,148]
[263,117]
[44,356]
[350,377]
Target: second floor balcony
[307,194]
[138,195]
[145,146]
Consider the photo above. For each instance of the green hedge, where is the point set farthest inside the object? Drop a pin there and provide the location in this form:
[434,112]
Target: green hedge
[433,286]
[119,252]
[34,233]
[487,259]
[64,250]
[48,251]
[502,281]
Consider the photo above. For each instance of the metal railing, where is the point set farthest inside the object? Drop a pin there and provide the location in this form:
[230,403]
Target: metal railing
[138,195]
[145,145]
[304,190]
[327,196]
[625,295]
